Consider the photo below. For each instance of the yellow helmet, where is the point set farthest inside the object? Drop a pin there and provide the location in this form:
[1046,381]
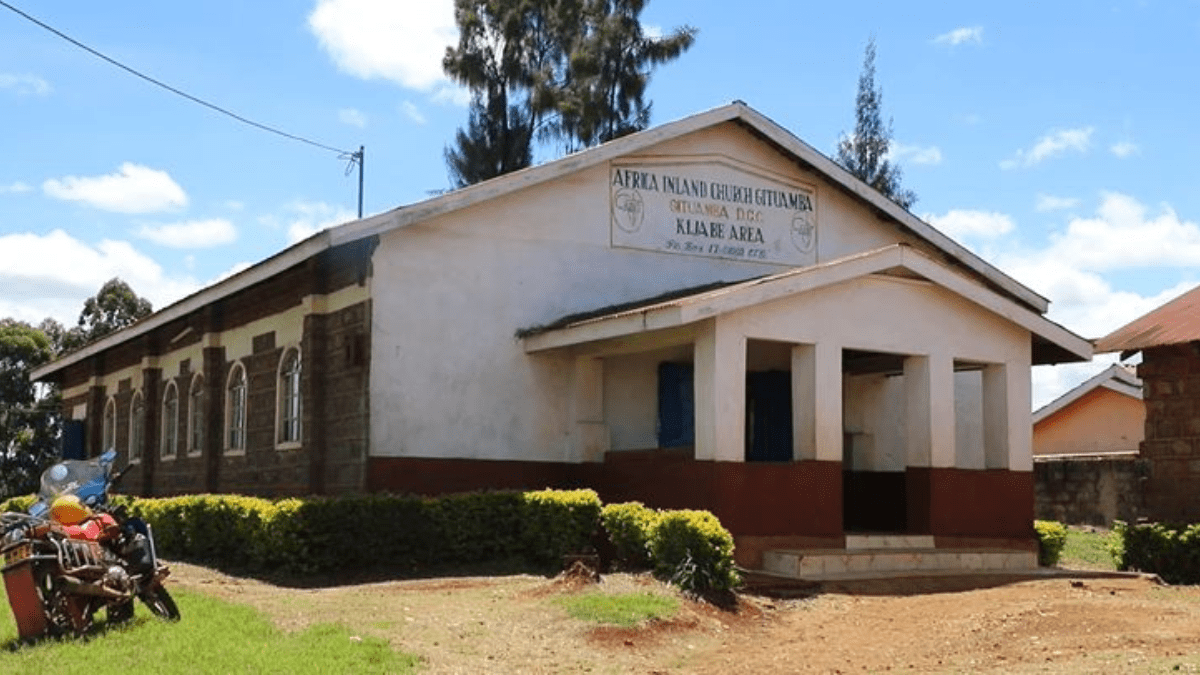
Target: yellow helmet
[68,510]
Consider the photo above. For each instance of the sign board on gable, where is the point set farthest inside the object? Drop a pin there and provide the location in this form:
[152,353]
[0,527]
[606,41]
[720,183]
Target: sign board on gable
[714,209]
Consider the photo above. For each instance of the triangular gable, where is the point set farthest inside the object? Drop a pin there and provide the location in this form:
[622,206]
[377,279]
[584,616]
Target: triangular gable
[754,122]
[1051,343]
[758,125]
[1115,378]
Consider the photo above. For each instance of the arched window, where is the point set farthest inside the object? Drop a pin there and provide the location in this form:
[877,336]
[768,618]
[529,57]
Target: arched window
[235,410]
[170,422]
[137,426]
[110,426]
[289,397]
[196,416]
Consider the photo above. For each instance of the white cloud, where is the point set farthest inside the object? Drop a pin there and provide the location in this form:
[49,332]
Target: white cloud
[1124,235]
[1125,149]
[354,118]
[958,36]
[1052,203]
[402,42]
[914,154]
[33,289]
[133,189]
[24,85]
[1121,235]
[301,220]
[978,224]
[412,112]
[191,234]
[452,95]
[1052,145]
[15,188]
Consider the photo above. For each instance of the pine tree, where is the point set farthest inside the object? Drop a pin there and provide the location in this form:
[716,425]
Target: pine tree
[573,71]
[865,152]
[611,59]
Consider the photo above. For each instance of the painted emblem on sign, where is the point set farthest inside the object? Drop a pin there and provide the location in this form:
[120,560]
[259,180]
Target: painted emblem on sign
[628,210]
[804,232]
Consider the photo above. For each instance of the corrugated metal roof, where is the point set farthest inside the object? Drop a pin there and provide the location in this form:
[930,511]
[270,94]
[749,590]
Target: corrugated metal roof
[1176,322]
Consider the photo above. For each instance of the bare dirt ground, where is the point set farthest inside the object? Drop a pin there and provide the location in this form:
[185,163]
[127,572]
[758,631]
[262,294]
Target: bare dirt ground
[513,625]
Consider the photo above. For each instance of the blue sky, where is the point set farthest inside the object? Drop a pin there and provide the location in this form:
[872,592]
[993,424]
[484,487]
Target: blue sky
[1056,139]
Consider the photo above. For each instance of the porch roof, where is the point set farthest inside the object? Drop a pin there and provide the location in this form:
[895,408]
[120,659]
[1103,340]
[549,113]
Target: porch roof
[1051,342]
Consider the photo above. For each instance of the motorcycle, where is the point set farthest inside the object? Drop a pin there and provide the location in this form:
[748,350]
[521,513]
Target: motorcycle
[72,555]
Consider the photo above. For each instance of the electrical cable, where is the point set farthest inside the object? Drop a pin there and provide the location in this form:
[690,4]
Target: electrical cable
[353,156]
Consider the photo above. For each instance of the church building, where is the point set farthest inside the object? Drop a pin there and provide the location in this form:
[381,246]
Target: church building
[707,314]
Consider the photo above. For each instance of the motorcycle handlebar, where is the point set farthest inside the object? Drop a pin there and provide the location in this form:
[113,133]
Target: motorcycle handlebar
[117,476]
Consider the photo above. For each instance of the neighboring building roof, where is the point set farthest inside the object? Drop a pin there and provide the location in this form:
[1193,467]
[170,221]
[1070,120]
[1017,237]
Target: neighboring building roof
[1051,343]
[756,123]
[1116,377]
[1176,322]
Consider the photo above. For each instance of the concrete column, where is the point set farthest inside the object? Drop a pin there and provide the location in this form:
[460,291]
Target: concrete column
[1007,423]
[589,435]
[720,393]
[995,416]
[817,402]
[929,410]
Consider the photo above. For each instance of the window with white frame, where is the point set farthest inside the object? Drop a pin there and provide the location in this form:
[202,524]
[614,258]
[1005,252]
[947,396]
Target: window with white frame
[235,410]
[289,397]
[196,416]
[170,422]
[137,425]
[110,426]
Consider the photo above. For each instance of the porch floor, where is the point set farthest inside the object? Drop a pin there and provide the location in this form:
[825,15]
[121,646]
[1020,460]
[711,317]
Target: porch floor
[882,556]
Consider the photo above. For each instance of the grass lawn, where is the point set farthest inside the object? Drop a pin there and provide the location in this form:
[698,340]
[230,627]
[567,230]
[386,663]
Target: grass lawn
[212,637]
[625,609]
[1085,550]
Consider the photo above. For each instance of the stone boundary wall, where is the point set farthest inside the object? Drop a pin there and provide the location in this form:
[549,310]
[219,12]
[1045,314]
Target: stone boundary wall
[1090,489]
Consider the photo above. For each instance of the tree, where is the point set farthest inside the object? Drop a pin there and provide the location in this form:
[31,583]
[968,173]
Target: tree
[865,152]
[574,71]
[114,307]
[610,65]
[502,46]
[490,146]
[29,422]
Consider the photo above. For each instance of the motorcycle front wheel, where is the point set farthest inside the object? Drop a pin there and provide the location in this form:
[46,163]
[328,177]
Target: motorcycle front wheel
[160,603]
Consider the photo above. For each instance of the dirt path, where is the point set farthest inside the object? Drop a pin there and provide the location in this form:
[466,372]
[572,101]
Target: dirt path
[512,624]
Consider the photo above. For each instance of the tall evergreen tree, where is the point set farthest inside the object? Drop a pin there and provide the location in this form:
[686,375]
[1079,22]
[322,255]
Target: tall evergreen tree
[489,146]
[502,48]
[574,71]
[609,68]
[864,152]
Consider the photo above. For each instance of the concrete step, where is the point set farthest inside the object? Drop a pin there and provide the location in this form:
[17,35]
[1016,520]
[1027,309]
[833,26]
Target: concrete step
[869,563]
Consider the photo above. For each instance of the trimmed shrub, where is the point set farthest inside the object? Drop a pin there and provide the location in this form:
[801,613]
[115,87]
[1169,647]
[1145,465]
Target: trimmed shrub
[19,503]
[630,527]
[1170,551]
[693,551]
[558,522]
[1052,537]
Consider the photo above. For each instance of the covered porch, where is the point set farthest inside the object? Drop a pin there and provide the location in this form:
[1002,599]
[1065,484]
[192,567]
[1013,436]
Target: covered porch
[879,394]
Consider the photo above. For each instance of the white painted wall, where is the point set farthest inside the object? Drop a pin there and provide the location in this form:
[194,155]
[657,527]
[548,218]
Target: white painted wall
[449,378]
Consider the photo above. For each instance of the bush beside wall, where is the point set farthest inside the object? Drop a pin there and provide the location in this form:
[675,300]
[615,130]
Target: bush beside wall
[1170,551]
[1052,537]
[371,531]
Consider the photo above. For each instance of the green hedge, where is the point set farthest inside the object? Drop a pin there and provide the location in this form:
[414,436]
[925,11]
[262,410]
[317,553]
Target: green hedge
[630,527]
[325,534]
[1052,537]
[1170,551]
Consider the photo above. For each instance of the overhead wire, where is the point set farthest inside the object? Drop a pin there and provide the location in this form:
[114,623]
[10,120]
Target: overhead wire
[352,155]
